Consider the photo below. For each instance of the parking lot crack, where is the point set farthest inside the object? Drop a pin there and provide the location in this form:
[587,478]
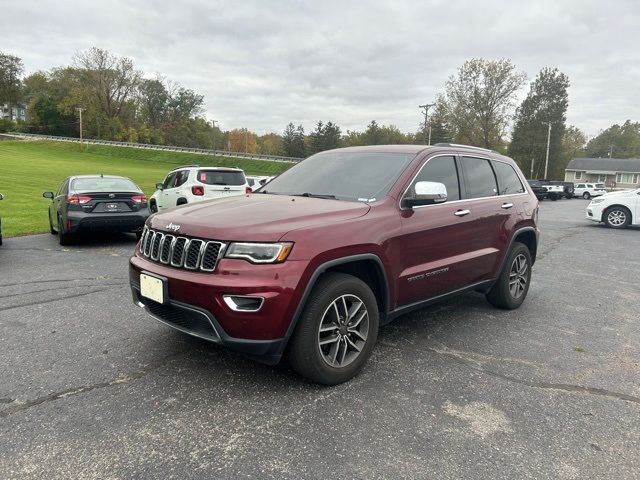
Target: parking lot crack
[66,297]
[19,406]
[565,387]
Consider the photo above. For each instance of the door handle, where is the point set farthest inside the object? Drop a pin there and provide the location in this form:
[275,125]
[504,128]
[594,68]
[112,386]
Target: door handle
[461,213]
[507,205]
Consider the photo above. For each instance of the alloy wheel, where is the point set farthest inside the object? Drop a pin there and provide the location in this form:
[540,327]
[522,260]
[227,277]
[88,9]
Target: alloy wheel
[616,218]
[343,330]
[518,276]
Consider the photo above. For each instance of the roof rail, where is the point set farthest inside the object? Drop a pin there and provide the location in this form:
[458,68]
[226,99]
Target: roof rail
[185,166]
[459,145]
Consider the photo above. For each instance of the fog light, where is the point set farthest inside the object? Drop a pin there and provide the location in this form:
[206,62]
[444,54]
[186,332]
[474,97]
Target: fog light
[243,303]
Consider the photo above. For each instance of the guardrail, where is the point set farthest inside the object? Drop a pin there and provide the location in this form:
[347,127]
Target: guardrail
[197,151]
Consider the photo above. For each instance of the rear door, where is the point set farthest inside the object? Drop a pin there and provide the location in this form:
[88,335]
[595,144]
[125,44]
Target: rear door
[489,213]
[163,197]
[222,183]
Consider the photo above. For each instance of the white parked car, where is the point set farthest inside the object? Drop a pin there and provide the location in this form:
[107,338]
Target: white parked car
[256,182]
[616,209]
[588,190]
[192,184]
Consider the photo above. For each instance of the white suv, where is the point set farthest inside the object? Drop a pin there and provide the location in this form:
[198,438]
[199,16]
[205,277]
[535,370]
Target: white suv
[588,190]
[616,209]
[194,184]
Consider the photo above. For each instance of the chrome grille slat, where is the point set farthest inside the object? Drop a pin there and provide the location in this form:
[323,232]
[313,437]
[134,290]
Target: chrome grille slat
[181,252]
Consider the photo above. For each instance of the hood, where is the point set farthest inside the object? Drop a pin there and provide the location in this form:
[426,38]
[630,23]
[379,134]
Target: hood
[621,192]
[257,217]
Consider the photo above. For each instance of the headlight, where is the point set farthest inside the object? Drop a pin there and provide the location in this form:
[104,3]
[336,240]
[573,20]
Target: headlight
[260,252]
[597,200]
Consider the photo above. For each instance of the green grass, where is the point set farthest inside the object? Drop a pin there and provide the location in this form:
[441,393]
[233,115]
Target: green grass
[28,168]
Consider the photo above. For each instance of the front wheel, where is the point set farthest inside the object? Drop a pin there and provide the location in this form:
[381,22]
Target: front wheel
[586,195]
[617,217]
[153,207]
[512,285]
[553,197]
[337,330]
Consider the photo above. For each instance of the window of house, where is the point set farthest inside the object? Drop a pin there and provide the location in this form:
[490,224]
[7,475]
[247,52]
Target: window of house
[577,175]
[635,178]
[627,177]
[602,178]
[480,179]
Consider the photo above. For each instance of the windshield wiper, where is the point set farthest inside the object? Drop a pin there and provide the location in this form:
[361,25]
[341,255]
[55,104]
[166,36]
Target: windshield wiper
[315,195]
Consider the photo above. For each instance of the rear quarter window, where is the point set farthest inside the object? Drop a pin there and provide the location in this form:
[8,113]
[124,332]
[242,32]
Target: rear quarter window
[508,181]
[221,177]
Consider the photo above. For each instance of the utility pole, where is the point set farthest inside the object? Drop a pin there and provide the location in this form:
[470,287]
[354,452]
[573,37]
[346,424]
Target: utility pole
[213,131]
[426,108]
[246,140]
[532,164]
[546,163]
[80,112]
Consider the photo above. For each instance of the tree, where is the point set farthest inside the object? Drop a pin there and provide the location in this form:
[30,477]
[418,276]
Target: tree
[11,69]
[242,140]
[293,141]
[270,144]
[478,101]
[324,137]
[617,141]
[573,143]
[547,101]
[112,80]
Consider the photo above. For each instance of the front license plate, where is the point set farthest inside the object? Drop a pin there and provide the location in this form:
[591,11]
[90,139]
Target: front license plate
[152,288]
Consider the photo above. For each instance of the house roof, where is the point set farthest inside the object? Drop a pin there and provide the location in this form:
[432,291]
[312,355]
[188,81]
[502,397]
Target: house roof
[605,164]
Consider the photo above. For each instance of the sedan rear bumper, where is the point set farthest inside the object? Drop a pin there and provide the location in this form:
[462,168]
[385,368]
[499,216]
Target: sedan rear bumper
[112,222]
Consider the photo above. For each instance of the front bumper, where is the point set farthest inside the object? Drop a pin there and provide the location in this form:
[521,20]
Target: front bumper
[261,333]
[107,222]
[594,213]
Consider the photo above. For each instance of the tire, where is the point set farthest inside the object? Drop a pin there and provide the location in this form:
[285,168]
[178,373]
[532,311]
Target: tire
[616,217]
[586,195]
[553,197]
[181,201]
[153,207]
[321,363]
[63,238]
[505,295]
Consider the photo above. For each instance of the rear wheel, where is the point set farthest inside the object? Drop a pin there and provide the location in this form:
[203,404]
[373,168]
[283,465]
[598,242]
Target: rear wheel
[64,238]
[337,330]
[617,217]
[553,197]
[512,285]
[153,207]
[586,195]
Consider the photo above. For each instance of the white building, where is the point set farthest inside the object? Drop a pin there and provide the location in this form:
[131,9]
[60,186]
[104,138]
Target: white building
[17,112]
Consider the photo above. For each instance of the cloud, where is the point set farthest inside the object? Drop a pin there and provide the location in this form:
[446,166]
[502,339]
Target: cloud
[265,64]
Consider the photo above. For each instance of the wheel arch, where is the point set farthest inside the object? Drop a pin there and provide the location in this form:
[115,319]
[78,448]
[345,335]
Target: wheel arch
[368,267]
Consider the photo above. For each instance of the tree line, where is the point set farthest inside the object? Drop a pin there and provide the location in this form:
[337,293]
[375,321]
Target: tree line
[477,106]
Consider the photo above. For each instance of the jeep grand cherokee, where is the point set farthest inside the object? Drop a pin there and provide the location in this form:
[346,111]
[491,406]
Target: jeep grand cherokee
[341,243]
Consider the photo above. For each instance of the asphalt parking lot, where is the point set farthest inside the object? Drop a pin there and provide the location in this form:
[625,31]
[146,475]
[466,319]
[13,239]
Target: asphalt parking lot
[90,387]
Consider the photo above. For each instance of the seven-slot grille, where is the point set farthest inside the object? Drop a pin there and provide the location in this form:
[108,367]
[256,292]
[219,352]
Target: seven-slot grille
[181,252]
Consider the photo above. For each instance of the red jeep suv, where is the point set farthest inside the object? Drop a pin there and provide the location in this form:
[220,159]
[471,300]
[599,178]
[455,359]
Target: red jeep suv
[345,241]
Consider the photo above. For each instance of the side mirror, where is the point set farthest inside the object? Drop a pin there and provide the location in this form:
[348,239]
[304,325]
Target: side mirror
[1,196]
[48,195]
[426,193]
[159,186]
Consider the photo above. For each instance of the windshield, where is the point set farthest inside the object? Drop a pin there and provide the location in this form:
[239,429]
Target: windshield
[361,176]
[221,177]
[106,184]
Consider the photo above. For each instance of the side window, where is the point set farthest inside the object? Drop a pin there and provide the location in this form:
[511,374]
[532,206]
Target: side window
[181,177]
[508,180]
[480,180]
[442,170]
[580,185]
[168,182]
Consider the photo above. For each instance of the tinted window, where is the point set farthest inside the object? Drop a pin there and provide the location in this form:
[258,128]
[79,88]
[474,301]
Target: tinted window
[480,180]
[106,184]
[64,188]
[181,177]
[508,180]
[347,175]
[580,185]
[168,182]
[442,170]
[221,177]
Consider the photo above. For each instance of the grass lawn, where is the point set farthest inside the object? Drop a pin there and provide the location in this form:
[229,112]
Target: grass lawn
[28,168]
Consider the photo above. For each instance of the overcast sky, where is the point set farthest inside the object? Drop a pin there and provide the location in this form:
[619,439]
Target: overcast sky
[262,64]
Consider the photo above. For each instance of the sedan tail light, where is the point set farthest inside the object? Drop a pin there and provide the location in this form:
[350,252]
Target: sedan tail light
[139,198]
[197,190]
[78,199]
[248,190]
